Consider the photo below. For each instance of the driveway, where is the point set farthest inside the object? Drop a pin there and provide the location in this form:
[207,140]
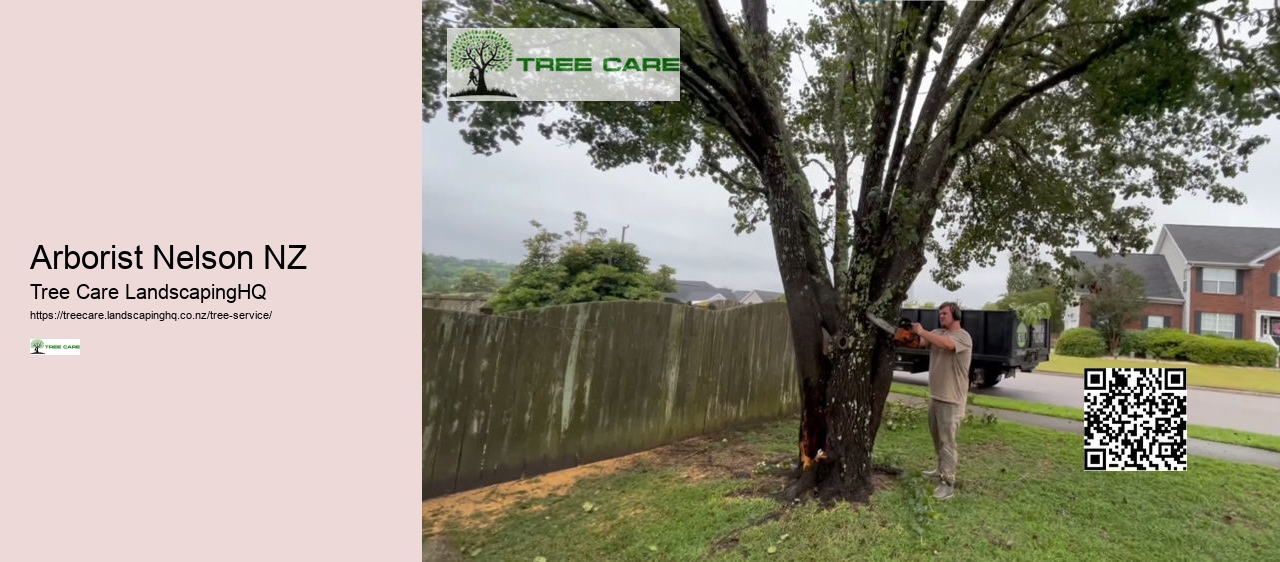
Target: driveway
[1230,410]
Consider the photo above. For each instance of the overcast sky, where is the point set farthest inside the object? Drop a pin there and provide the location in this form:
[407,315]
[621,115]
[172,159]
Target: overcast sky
[479,207]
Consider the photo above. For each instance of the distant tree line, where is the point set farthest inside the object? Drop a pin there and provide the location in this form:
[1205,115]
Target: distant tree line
[448,274]
[573,266]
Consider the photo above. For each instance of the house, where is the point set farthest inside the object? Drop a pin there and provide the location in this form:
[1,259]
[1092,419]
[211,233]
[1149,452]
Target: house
[695,292]
[1227,281]
[1164,298]
[698,292]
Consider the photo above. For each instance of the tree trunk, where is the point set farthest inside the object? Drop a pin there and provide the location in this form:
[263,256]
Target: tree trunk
[858,379]
[482,88]
[843,383]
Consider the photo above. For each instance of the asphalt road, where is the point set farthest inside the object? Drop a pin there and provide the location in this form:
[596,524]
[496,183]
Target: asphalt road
[1231,410]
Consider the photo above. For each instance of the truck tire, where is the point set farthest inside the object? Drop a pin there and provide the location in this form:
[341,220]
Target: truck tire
[986,377]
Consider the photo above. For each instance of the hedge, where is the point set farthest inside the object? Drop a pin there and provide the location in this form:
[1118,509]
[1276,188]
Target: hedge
[1081,342]
[1165,343]
[1173,345]
[1134,342]
[1222,351]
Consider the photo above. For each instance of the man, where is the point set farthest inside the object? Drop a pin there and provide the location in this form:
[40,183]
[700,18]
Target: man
[950,352]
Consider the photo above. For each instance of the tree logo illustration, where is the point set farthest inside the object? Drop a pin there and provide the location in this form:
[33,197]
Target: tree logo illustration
[35,346]
[479,52]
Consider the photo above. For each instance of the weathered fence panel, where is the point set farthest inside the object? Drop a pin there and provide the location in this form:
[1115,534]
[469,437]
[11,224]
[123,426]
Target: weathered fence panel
[506,397]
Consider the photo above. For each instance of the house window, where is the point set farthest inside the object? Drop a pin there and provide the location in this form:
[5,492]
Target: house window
[1155,322]
[1221,324]
[1218,281]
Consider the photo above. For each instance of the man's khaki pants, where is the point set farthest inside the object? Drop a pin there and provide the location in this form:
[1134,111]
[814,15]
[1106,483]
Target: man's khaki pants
[944,423]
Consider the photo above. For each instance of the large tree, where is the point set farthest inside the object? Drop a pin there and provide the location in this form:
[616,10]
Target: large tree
[1116,297]
[1014,126]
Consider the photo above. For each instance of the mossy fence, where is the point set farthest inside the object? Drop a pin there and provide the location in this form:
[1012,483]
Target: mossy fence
[506,397]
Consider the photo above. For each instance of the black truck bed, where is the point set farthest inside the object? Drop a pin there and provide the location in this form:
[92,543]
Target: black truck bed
[1002,345]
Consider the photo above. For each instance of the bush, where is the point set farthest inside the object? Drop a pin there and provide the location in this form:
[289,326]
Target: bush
[1165,343]
[1210,350]
[1081,342]
[1135,342]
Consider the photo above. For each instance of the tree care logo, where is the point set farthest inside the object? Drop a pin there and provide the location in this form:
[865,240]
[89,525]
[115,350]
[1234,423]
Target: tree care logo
[479,52]
[54,347]
[563,64]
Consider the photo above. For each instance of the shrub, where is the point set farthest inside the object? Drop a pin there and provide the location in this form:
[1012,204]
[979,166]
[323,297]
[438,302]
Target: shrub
[1081,342]
[1221,351]
[1135,342]
[1164,343]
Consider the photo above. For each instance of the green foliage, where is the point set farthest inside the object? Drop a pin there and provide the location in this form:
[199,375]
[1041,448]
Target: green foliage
[1220,351]
[1117,297]
[443,274]
[1164,343]
[1081,342]
[1025,276]
[1135,342]
[1211,349]
[1032,313]
[473,281]
[573,271]
[480,49]
[926,305]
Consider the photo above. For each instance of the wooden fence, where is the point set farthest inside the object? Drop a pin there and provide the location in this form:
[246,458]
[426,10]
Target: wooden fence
[510,397]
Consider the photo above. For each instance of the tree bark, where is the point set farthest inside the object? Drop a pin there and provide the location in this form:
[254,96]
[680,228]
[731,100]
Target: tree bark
[857,384]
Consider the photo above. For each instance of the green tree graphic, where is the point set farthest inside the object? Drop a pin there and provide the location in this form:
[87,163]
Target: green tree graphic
[36,345]
[480,51]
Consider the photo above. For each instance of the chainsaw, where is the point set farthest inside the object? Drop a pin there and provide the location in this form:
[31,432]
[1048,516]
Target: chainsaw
[902,334]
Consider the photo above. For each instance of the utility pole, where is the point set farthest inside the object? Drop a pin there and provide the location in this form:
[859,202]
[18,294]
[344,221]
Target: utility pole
[624,233]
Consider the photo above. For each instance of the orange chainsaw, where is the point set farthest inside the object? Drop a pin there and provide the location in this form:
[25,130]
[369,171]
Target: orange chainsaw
[902,334]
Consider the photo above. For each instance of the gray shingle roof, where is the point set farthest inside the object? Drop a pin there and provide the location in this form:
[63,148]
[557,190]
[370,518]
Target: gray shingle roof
[1153,268]
[769,296]
[1223,244]
[690,291]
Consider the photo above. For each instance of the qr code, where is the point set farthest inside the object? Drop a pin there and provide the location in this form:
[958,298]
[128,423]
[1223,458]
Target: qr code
[1135,419]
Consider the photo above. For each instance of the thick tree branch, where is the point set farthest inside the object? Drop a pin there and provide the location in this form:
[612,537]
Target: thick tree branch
[840,182]
[936,99]
[722,39]
[909,104]
[886,104]
[926,179]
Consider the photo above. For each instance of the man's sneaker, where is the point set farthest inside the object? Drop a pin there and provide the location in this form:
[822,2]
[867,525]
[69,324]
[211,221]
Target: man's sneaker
[945,491]
[931,474]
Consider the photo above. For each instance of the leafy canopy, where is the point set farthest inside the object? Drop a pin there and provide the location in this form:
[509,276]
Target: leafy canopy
[562,269]
[1116,298]
[1031,124]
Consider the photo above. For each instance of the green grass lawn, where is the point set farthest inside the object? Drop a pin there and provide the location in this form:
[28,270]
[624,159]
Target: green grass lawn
[1217,434]
[1253,379]
[1022,495]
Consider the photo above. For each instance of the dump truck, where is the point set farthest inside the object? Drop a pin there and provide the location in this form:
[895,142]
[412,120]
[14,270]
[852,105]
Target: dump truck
[1002,344]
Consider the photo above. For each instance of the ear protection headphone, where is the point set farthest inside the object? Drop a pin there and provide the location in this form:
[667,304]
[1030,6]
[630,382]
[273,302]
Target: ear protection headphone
[955,312]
